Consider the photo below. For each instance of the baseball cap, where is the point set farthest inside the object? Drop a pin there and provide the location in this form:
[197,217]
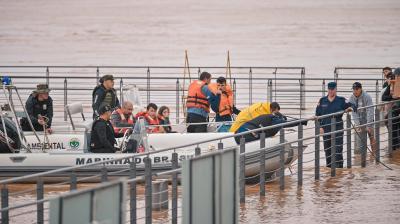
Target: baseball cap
[357,85]
[332,85]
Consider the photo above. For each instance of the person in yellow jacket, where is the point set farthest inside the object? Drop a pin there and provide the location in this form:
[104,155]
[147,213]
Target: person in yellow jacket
[252,112]
[223,105]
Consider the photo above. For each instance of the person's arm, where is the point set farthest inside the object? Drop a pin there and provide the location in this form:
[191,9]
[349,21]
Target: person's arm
[50,112]
[370,110]
[117,121]
[98,98]
[354,114]
[214,103]
[386,95]
[117,104]
[29,109]
[100,130]
[207,92]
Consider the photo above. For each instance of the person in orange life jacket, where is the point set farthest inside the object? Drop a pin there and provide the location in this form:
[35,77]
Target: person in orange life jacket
[223,105]
[102,138]
[39,105]
[151,118]
[104,93]
[122,119]
[198,103]
[163,115]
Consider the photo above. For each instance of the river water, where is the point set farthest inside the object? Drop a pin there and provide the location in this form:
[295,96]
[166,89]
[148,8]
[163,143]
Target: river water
[316,34]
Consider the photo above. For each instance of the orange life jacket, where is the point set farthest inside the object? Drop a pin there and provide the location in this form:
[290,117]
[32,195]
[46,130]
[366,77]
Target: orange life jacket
[128,120]
[226,101]
[150,121]
[196,97]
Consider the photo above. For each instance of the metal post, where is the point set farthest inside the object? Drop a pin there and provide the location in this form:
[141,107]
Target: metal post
[301,96]
[177,101]
[242,180]
[390,129]
[73,181]
[121,91]
[282,160]
[270,90]
[97,75]
[174,189]
[333,146]
[250,87]
[47,76]
[300,156]
[132,193]
[148,190]
[65,98]
[348,140]
[4,204]
[220,145]
[148,85]
[323,88]
[234,91]
[262,164]
[317,148]
[39,196]
[363,139]
[377,135]
[377,92]
[303,89]
[104,173]
[197,151]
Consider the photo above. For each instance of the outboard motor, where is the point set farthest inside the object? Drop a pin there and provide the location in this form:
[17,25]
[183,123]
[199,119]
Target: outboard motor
[12,136]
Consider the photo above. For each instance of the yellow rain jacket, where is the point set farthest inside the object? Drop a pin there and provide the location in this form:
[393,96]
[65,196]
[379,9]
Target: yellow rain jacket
[250,113]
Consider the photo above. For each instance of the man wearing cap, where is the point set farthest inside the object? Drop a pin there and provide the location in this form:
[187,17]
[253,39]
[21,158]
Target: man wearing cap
[327,105]
[102,138]
[39,106]
[104,93]
[361,98]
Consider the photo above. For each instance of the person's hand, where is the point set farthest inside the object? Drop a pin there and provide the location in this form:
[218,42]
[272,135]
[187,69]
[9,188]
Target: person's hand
[370,130]
[314,118]
[219,92]
[49,130]
[348,110]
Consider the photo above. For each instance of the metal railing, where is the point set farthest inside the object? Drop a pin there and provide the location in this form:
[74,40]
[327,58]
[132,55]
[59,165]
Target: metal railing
[141,203]
[163,85]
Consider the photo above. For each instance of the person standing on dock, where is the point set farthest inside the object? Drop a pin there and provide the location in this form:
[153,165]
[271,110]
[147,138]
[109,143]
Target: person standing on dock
[102,138]
[223,106]
[198,103]
[39,106]
[104,93]
[361,98]
[395,109]
[327,105]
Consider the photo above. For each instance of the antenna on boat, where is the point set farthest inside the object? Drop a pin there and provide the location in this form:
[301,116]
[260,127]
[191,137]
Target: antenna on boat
[228,72]
[186,71]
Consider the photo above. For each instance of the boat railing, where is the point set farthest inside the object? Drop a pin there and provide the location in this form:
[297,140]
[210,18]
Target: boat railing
[305,141]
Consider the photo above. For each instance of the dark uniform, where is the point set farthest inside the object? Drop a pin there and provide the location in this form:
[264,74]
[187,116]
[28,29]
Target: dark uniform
[327,107]
[102,138]
[34,107]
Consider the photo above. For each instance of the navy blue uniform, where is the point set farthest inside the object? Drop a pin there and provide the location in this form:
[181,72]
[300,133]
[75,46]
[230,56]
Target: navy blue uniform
[327,107]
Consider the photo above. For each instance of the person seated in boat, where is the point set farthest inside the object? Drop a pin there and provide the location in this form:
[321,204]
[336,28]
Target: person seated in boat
[151,118]
[261,121]
[198,103]
[104,94]
[122,119]
[252,112]
[39,107]
[223,105]
[163,115]
[102,138]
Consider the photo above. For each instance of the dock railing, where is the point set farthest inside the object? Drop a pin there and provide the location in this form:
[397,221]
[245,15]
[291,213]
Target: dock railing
[139,205]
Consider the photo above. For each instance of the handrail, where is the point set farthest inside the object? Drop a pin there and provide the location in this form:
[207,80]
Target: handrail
[171,148]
